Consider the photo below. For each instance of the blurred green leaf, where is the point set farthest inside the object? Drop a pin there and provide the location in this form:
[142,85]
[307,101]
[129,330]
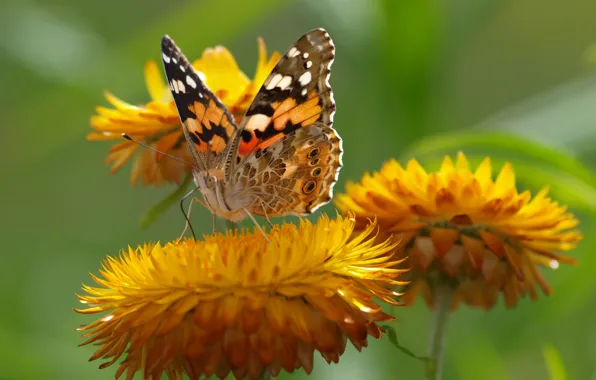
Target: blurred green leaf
[554,363]
[466,17]
[411,45]
[590,55]
[156,211]
[561,116]
[479,354]
[535,165]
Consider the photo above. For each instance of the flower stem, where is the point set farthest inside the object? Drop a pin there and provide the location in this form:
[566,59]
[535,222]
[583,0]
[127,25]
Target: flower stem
[436,346]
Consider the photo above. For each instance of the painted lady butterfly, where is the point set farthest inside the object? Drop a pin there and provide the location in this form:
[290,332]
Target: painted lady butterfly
[285,156]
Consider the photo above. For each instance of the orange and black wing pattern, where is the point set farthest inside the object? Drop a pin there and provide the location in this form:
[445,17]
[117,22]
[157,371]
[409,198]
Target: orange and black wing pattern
[208,125]
[295,95]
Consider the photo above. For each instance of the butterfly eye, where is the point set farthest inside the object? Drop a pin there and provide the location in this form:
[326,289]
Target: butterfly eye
[210,181]
[313,153]
[309,187]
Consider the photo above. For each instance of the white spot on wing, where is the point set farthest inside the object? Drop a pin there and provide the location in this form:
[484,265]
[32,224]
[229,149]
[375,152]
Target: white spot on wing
[174,84]
[191,82]
[258,122]
[328,72]
[182,69]
[341,150]
[293,52]
[331,113]
[166,58]
[305,78]
[308,64]
[181,87]
[305,55]
[304,91]
[273,81]
[285,82]
[174,60]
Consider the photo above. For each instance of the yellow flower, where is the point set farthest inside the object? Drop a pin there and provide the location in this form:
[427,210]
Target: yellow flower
[237,303]
[157,123]
[463,229]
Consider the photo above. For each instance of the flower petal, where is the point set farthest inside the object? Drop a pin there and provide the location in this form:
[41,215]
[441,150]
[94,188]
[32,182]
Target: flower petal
[155,83]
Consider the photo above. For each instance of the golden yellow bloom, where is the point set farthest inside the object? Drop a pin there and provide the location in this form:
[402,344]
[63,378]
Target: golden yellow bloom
[157,123]
[237,303]
[462,228]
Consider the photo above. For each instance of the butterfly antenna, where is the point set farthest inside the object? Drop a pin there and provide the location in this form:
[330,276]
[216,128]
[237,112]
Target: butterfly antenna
[128,137]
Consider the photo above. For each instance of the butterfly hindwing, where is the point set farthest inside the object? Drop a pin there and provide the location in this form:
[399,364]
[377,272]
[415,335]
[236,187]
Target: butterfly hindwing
[295,175]
[207,123]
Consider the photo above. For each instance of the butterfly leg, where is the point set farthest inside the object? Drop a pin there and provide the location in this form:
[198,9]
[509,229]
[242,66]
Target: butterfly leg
[265,212]
[255,222]
[187,217]
[214,221]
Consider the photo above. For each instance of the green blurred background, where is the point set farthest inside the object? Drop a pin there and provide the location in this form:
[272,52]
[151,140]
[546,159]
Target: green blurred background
[405,71]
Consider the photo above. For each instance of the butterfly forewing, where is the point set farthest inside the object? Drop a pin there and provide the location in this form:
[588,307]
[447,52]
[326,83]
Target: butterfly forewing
[296,93]
[207,123]
[288,151]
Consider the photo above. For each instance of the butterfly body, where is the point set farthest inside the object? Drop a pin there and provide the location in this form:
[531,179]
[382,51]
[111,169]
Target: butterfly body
[284,156]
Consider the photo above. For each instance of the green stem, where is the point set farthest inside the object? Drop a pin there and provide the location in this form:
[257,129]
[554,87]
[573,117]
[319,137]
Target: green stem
[436,346]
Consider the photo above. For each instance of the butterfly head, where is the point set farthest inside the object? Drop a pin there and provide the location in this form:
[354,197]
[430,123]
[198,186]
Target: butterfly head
[205,179]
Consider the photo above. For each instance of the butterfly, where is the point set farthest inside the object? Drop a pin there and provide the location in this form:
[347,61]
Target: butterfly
[284,157]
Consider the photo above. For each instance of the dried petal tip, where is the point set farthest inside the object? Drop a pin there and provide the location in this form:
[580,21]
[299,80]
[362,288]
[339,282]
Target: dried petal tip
[237,303]
[464,228]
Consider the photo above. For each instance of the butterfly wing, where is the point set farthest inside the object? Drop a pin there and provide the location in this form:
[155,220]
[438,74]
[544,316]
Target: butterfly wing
[288,151]
[207,123]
